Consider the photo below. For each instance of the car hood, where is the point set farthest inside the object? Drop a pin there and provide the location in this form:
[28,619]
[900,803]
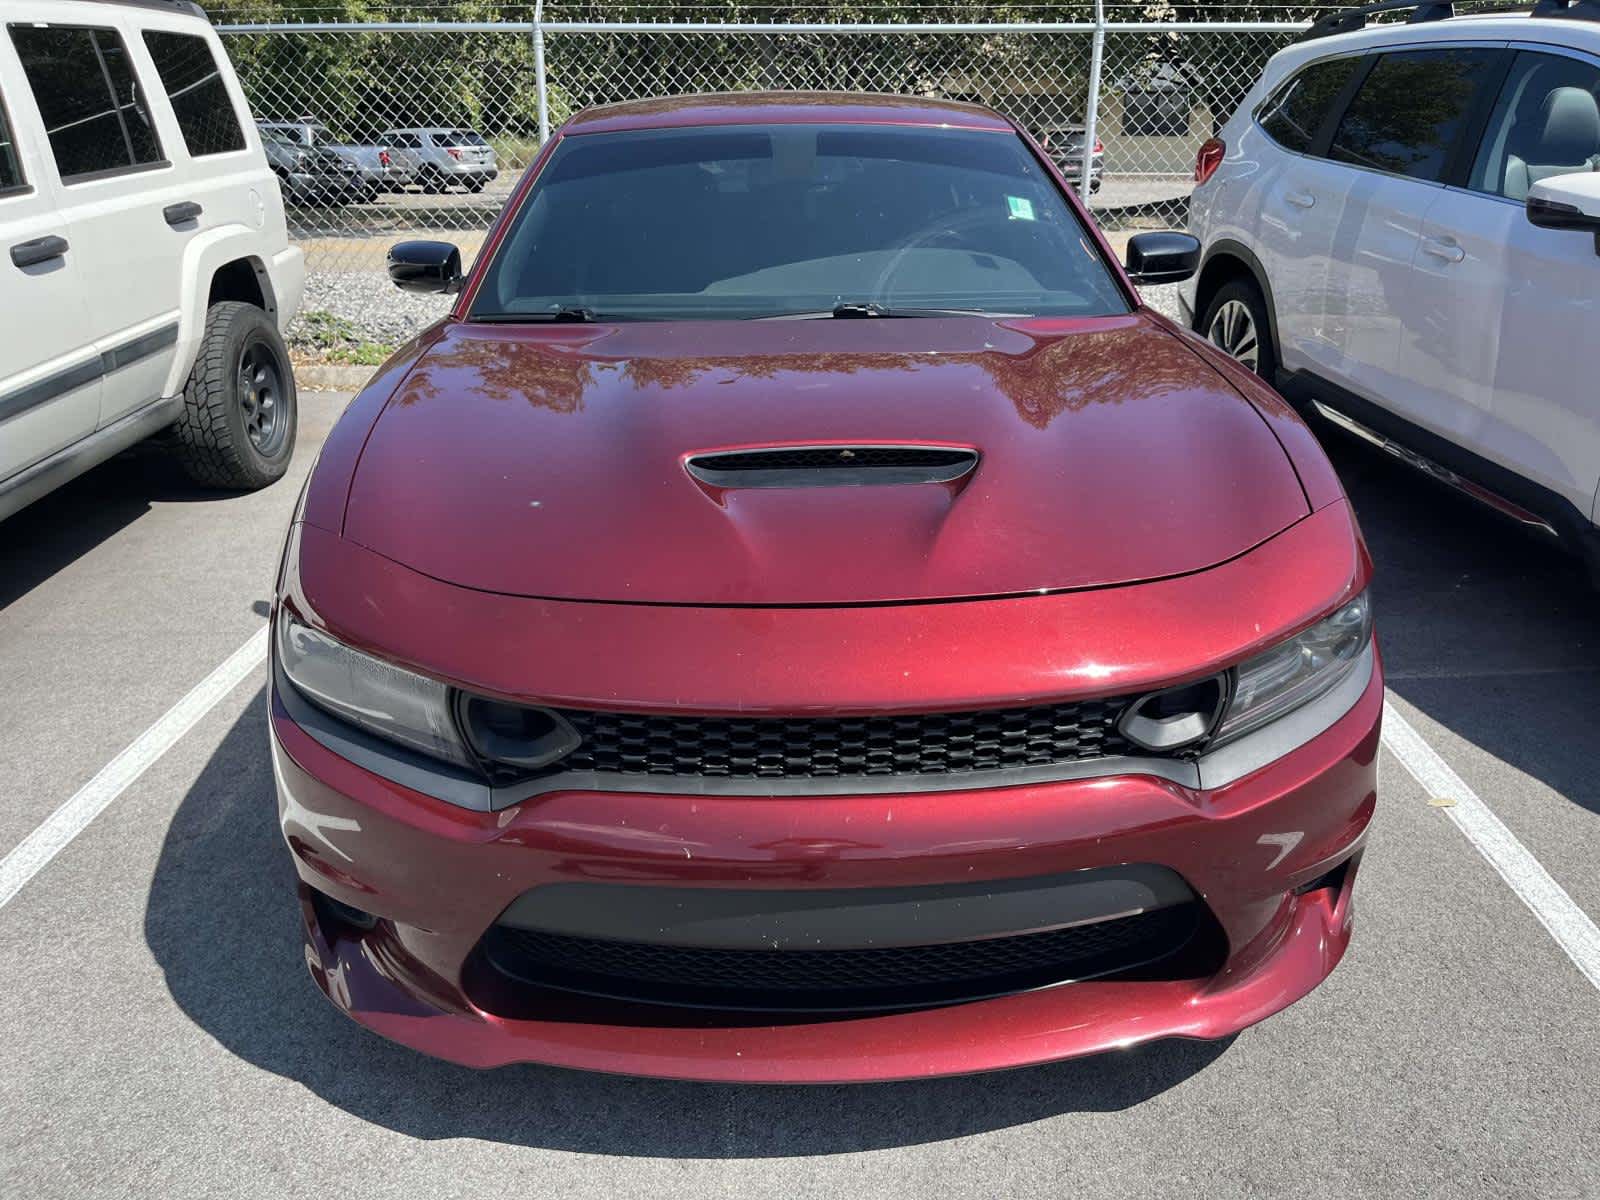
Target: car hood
[552,460]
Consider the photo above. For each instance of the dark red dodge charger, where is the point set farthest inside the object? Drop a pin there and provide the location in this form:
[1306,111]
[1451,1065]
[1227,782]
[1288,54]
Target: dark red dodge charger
[801,617]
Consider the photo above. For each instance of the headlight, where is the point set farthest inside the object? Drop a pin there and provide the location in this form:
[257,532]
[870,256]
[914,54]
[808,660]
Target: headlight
[383,699]
[1298,671]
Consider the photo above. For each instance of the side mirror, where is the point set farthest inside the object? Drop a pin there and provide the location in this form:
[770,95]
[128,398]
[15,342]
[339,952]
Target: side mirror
[1567,202]
[1166,257]
[425,266]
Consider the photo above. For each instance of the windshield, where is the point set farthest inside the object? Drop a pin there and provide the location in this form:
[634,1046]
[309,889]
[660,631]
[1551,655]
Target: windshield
[751,221]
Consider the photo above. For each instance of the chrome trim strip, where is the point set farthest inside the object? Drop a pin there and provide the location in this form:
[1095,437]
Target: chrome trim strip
[1443,474]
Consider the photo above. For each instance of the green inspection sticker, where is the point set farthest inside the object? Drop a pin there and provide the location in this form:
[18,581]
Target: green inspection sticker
[1021,208]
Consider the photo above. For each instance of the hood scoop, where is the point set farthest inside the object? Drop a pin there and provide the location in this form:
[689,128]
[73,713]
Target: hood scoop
[851,465]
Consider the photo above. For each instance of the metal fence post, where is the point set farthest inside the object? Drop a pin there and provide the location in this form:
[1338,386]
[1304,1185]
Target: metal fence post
[1091,116]
[538,72]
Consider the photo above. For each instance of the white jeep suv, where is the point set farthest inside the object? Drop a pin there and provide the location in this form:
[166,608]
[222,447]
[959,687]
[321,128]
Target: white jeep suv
[1401,229]
[145,271]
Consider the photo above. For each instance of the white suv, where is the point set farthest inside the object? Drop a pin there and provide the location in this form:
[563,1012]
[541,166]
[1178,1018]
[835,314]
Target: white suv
[1400,232]
[145,271]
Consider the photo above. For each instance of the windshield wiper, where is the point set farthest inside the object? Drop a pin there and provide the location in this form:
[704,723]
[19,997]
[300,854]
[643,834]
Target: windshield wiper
[863,309]
[574,313]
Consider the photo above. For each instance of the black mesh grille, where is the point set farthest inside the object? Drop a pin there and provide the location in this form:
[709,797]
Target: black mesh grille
[833,980]
[805,748]
[800,458]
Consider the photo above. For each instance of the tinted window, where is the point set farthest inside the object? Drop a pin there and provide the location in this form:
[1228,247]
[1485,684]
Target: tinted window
[1546,122]
[93,109]
[1296,111]
[10,161]
[199,97]
[1409,110]
[752,221]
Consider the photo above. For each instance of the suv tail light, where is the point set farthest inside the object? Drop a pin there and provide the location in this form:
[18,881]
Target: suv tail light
[453,152]
[1209,159]
[383,158]
[1099,146]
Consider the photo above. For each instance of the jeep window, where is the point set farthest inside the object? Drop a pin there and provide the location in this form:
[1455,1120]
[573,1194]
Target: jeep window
[748,221]
[194,84]
[11,177]
[1546,122]
[1296,110]
[93,108]
[1409,111]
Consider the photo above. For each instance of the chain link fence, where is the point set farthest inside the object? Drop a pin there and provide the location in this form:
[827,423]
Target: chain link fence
[415,130]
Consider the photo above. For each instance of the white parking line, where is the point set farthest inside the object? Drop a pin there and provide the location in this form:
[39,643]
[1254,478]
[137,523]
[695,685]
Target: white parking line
[1571,927]
[68,821]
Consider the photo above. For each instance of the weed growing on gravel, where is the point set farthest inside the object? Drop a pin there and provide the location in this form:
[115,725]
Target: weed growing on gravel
[326,337]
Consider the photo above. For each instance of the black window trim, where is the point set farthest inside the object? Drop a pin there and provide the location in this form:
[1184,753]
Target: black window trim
[1469,133]
[1513,50]
[1338,104]
[244,148]
[25,188]
[1053,177]
[155,164]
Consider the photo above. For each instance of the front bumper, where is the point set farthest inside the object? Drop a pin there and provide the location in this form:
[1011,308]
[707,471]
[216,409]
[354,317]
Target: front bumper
[1273,856]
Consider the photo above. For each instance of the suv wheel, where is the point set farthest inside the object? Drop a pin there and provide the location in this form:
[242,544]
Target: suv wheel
[1236,323]
[239,412]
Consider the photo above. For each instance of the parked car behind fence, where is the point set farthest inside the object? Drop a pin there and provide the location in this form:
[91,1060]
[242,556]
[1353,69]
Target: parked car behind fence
[446,156]
[378,168]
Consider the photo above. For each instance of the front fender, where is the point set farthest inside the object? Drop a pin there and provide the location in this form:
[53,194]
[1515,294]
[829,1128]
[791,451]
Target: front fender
[280,275]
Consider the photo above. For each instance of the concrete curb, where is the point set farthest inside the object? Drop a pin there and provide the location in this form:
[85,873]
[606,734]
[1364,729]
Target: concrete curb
[331,377]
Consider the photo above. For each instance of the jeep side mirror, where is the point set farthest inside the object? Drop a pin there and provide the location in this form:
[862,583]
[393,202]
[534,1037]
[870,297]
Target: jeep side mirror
[425,266]
[1567,202]
[1165,257]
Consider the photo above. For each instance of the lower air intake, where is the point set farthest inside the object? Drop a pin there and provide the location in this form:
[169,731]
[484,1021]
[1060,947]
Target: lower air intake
[894,977]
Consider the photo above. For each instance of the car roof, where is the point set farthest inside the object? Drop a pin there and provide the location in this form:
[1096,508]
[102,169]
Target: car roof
[185,8]
[784,108]
[1519,26]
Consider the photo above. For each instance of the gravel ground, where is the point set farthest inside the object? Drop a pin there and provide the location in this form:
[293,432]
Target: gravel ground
[382,312]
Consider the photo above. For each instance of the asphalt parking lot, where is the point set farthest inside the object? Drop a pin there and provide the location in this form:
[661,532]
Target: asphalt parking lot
[159,1036]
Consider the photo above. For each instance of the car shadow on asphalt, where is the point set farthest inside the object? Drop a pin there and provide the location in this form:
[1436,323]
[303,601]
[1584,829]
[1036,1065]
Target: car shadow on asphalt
[223,924]
[57,530]
[1488,630]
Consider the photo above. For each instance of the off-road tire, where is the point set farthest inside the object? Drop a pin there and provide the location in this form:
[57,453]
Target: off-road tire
[212,438]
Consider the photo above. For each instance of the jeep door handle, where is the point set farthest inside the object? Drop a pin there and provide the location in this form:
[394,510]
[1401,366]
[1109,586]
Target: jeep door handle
[28,254]
[177,214]
[1448,251]
[1301,199]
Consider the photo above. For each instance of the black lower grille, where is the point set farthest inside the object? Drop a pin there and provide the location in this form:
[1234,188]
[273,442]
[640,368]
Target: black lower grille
[824,747]
[837,980]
